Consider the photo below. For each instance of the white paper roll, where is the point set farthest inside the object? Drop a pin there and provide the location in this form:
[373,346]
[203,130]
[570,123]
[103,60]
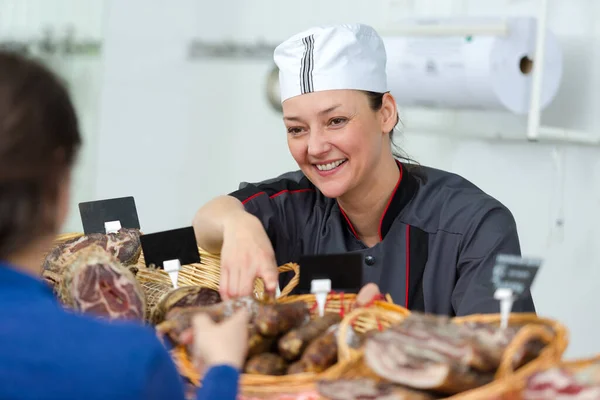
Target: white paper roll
[473,72]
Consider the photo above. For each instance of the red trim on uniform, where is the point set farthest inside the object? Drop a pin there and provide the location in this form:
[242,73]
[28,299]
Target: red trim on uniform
[253,196]
[277,194]
[407,268]
[350,224]
[390,200]
[291,192]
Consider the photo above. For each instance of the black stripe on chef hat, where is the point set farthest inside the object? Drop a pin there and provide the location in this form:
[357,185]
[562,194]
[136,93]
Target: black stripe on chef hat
[307,64]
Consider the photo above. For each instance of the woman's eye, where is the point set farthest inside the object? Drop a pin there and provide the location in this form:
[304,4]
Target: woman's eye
[337,121]
[294,131]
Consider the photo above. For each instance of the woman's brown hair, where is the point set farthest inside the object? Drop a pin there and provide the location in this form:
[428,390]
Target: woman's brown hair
[376,102]
[39,141]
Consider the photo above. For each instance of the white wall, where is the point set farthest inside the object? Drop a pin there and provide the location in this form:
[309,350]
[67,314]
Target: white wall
[25,21]
[181,132]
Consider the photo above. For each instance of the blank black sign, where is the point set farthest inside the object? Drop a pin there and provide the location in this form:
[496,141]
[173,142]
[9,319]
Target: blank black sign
[177,244]
[95,213]
[514,272]
[344,270]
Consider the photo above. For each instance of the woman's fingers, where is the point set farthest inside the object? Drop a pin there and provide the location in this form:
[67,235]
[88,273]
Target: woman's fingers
[224,282]
[367,294]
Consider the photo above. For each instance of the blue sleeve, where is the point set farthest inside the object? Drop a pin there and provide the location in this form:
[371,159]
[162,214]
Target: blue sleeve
[219,383]
[163,380]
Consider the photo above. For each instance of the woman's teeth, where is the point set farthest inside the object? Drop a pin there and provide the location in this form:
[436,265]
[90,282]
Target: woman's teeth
[330,166]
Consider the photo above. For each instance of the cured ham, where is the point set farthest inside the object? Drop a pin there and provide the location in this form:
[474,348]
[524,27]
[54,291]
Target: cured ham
[124,245]
[96,283]
[433,353]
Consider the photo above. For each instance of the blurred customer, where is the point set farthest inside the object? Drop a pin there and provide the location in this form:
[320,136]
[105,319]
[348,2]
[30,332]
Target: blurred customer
[45,351]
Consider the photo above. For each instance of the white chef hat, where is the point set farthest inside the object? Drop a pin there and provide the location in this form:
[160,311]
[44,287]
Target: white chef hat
[349,56]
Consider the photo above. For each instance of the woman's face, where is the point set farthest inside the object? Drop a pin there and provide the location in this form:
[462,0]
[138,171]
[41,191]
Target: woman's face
[336,138]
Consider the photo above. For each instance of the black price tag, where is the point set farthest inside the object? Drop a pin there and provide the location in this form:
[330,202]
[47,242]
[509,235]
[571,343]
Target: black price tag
[94,214]
[344,270]
[177,244]
[514,272]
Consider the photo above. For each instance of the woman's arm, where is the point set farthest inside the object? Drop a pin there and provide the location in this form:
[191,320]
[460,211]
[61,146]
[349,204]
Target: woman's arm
[209,222]
[223,226]
[493,233]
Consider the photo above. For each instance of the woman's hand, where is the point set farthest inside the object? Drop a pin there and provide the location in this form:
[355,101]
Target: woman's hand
[247,253]
[225,343]
[367,294]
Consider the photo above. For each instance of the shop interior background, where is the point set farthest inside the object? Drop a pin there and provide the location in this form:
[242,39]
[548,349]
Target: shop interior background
[174,127]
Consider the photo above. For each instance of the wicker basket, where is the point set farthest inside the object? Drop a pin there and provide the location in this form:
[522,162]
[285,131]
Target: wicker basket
[206,273]
[382,315]
[506,380]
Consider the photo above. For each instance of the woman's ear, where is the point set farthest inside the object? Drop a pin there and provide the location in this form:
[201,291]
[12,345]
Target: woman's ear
[389,113]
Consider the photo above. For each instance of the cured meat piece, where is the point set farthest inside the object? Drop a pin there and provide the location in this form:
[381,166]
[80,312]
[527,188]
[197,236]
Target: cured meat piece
[442,339]
[393,360]
[299,367]
[124,245]
[276,319]
[292,344]
[257,343]
[266,364]
[560,384]
[321,353]
[98,284]
[359,389]
[184,297]
[179,319]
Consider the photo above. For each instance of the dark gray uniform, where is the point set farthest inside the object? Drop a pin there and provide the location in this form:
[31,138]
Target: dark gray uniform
[440,235]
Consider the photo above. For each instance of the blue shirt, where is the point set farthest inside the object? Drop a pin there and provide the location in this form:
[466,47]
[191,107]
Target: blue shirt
[49,353]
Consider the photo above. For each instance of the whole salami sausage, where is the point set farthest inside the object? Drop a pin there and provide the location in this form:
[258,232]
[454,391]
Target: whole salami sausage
[179,319]
[258,343]
[275,319]
[293,343]
[266,364]
[321,353]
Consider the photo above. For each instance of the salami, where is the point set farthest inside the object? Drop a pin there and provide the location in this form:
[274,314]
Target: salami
[299,367]
[266,364]
[124,245]
[184,297]
[179,319]
[98,284]
[257,343]
[276,319]
[320,354]
[292,344]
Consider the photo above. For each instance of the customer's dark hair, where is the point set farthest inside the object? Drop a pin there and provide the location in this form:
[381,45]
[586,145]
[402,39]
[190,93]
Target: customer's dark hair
[39,141]
[376,102]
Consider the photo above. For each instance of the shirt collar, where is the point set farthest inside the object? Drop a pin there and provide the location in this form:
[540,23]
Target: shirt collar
[12,278]
[403,192]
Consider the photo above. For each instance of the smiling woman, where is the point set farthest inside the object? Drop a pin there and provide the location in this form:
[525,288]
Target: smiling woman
[429,237]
